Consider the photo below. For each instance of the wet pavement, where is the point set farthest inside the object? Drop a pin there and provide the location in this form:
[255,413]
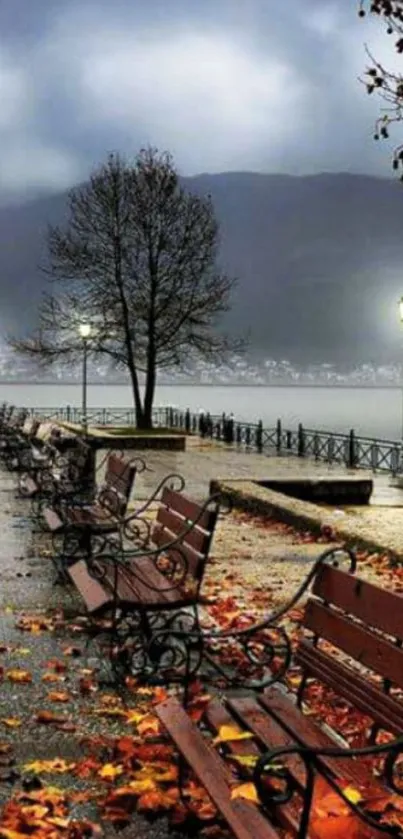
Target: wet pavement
[27,587]
[204,460]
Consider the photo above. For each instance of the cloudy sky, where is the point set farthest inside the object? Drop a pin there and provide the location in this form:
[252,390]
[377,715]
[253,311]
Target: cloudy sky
[262,85]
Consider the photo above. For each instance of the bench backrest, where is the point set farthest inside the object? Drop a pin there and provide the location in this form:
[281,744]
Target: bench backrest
[119,476]
[174,517]
[365,623]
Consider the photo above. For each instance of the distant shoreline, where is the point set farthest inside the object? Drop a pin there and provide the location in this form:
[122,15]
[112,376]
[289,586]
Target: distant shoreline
[341,386]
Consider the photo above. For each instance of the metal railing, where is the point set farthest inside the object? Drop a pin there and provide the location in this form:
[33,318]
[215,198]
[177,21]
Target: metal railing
[94,416]
[349,449]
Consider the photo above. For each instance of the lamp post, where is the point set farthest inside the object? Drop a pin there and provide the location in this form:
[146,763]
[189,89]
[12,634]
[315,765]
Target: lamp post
[401,321]
[85,332]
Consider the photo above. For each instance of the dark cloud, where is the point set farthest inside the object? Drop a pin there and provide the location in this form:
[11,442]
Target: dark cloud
[224,85]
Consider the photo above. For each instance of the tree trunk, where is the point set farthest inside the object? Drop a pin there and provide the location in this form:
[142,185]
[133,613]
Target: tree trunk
[149,394]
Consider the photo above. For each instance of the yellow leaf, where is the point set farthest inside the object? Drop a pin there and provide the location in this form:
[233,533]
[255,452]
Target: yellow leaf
[57,765]
[247,791]
[11,834]
[22,651]
[11,722]
[110,771]
[139,787]
[149,725]
[352,794]
[228,733]
[19,676]
[246,760]
[134,716]
[109,712]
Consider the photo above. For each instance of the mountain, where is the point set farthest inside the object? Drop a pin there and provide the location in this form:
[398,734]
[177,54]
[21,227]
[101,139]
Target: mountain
[319,261]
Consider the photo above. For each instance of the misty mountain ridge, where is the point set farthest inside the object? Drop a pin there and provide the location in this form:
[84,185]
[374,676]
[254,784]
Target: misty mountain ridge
[319,262]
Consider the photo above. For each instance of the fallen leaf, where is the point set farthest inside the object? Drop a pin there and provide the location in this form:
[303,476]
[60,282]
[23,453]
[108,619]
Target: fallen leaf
[247,791]
[59,696]
[22,676]
[110,771]
[228,733]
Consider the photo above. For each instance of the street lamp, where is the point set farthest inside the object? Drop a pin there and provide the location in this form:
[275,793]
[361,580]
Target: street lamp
[85,332]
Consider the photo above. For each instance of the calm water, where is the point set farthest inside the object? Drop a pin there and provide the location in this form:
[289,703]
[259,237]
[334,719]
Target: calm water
[374,412]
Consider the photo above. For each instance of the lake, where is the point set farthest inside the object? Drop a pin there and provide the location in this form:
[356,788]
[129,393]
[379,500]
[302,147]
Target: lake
[371,411]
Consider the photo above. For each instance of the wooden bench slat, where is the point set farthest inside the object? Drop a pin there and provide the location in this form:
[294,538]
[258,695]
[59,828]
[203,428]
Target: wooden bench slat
[304,730]
[365,646]
[52,519]
[216,715]
[93,593]
[243,817]
[384,710]
[366,601]
[189,509]
[133,590]
[196,537]
[195,561]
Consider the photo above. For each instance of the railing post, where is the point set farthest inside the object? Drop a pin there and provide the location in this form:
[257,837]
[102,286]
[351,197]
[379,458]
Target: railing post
[301,441]
[316,446]
[229,429]
[202,424]
[171,417]
[187,421]
[259,436]
[103,416]
[351,450]
[68,413]
[374,457]
[330,449]
[238,434]
[394,461]
[209,425]
[278,435]
[288,439]
[247,435]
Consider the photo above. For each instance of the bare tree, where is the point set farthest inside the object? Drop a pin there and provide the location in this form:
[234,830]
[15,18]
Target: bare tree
[378,78]
[138,258]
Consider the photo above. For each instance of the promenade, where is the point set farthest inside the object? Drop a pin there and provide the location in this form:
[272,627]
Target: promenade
[48,673]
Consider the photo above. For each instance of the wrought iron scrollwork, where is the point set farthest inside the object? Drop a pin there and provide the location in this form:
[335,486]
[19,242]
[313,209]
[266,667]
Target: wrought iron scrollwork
[267,767]
[259,655]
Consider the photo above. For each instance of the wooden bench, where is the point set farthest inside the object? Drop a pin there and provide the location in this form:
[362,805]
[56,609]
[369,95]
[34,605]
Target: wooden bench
[352,650]
[74,525]
[159,582]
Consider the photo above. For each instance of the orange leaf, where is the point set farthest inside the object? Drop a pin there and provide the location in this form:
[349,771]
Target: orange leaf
[48,718]
[59,696]
[11,722]
[53,677]
[19,676]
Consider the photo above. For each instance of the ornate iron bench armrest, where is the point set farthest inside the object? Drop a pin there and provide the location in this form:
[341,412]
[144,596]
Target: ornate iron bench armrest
[265,644]
[269,766]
